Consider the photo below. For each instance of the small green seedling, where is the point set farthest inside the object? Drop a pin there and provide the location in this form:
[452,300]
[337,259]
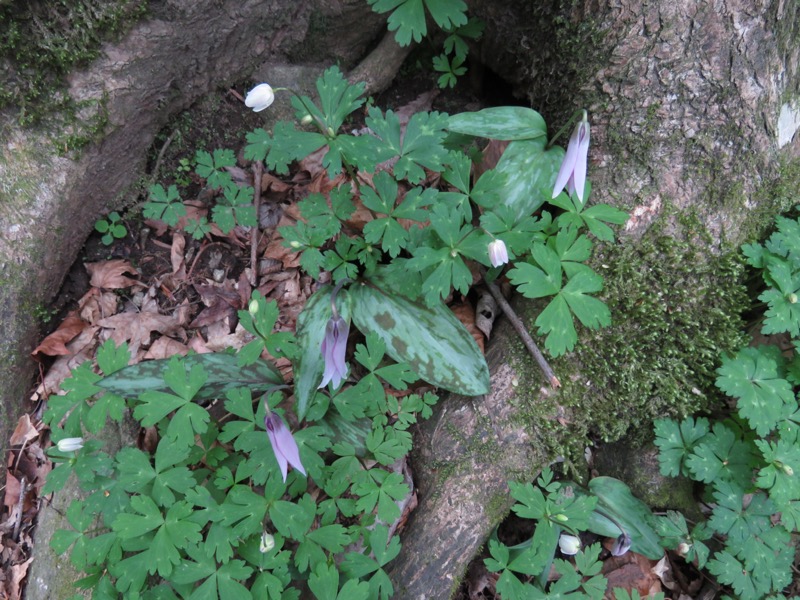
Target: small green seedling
[111,227]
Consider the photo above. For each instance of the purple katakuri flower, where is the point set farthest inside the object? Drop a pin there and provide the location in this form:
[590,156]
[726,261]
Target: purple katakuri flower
[498,253]
[334,346]
[621,545]
[283,444]
[573,170]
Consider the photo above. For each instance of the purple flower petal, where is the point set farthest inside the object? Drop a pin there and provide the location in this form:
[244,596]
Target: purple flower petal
[334,347]
[283,444]
[572,173]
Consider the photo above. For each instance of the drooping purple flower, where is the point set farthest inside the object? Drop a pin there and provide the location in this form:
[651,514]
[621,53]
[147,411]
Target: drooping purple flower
[283,444]
[334,346]
[498,253]
[572,173]
[621,545]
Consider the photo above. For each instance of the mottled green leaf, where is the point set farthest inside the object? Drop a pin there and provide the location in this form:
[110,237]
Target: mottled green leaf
[500,123]
[528,173]
[430,339]
[223,372]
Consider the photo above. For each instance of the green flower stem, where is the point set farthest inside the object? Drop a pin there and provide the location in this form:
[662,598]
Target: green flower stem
[578,114]
[258,168]
[335,293]
[526,338]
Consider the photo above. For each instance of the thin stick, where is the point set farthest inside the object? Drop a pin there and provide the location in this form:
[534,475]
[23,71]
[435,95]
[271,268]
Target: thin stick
[154,174]
[257,170]
[522,332]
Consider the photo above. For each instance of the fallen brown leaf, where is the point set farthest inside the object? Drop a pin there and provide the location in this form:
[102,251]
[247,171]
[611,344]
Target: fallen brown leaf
[109,274]
[24,432]
[54,344]
[96,305]
[165,347]
[80,349]
[466,314]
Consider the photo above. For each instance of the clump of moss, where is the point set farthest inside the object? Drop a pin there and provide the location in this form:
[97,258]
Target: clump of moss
[676,311]
[40,42]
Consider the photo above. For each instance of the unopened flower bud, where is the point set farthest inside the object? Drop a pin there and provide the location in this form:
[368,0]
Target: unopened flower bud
[295,244]
[260,97]
[684,548]
[792,298]
[498,253]
[252,308]
[569,544]
[267,542]
[306,120]
[69,444]
[561,517]
[788,470]
[621,545]
[331,132]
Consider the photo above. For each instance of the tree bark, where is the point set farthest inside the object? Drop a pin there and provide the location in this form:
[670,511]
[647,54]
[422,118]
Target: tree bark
[694,111]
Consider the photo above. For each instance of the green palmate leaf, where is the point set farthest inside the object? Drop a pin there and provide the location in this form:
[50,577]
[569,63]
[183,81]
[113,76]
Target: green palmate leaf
[337,96]
[500,123]
[408,16]
[420,146]
[596,218]
[676,442]
[429,339]
[721,456]
[783,461]
[527,173]
[222,370]
[783,314]
[310,332]
[786,241]
[616,500]
[286,145]
[212,168]
[754,377]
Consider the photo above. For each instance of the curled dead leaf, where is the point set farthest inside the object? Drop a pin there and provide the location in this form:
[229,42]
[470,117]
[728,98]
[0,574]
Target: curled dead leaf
[55,343]
[110,274]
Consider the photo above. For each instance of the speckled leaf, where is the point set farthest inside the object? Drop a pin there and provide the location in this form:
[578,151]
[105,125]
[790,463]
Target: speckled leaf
[431,340]
[223,370]
[530,172]
[500,123]
[310,332]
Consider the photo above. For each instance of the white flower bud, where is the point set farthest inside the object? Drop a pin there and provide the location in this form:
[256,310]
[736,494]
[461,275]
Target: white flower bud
[267,542]
[569,544]
[260,97]
[69,444]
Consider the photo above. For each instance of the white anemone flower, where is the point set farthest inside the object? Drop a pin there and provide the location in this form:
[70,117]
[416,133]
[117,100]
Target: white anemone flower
[260,97]
[569,544]
[69,444]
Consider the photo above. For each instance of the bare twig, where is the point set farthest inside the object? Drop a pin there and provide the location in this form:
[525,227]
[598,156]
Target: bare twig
[257,170]
[522,332]
[23,489]
[154,174]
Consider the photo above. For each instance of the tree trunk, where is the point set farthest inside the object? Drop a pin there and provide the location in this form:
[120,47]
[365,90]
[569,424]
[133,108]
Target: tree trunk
[694,111]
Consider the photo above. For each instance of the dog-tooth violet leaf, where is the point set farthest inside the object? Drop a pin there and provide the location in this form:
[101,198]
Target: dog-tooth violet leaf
[223,370]
[431,340]
[500,123]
